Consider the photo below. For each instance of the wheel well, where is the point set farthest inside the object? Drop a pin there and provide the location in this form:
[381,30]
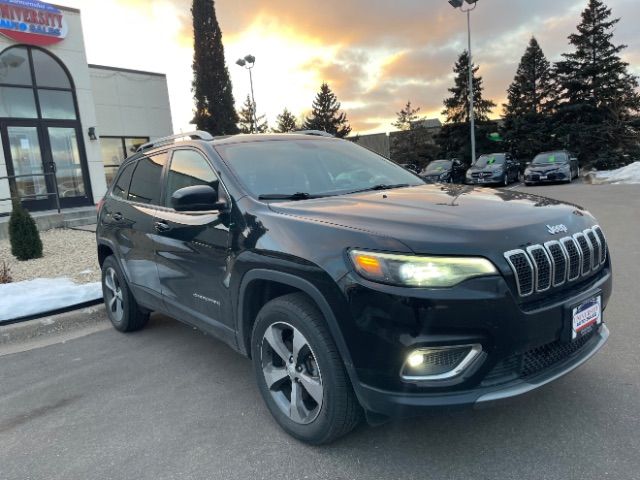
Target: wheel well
[103,252]
[256,296]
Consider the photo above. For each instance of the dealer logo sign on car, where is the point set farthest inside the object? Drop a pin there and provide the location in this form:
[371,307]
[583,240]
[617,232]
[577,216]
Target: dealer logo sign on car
[556,229]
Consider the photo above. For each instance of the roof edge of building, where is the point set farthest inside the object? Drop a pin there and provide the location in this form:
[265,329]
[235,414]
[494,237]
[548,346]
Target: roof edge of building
[126,70]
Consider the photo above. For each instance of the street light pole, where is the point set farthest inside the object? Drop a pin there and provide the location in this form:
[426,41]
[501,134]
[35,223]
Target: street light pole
[458,4]
[249,62]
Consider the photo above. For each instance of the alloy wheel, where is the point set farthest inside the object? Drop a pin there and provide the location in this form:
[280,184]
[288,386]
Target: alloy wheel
[291,373]
[113,295]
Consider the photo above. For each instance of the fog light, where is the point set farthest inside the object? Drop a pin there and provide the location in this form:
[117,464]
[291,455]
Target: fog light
[439,363]
[415,359]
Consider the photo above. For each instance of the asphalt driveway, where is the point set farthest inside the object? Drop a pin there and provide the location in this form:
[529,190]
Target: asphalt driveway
[170,402]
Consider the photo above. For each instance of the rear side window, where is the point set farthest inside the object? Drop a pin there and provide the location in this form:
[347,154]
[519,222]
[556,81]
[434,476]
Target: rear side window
[121,187]
[188,169]
[147,179]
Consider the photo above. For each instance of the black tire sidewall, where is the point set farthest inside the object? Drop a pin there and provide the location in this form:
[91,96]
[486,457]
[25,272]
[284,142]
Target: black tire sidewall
[320,342]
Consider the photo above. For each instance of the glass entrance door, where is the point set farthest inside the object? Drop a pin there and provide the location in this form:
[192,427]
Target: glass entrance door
[65,155]
[27,162]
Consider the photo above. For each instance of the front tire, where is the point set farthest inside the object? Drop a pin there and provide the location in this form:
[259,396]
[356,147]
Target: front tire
[122,308]
[300,373]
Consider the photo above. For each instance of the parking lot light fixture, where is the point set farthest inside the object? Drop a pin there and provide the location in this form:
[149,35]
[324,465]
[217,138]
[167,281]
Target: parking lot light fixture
[458,4]
[249,62]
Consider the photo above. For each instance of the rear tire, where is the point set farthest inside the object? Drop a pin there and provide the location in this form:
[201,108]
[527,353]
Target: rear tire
[310,396]
[122,309]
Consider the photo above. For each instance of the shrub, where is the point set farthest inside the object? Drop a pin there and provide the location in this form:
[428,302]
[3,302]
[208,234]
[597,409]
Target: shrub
[5,274]
[23,234]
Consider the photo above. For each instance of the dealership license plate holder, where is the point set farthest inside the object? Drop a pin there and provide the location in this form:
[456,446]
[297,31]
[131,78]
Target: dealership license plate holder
[583,317]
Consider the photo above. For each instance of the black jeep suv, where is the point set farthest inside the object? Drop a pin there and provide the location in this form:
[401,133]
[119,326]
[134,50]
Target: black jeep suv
[354,287]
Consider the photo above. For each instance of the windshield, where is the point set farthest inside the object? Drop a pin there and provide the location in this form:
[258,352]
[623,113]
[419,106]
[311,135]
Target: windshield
[488,160]
[313,167]
[550,159]
[438,166]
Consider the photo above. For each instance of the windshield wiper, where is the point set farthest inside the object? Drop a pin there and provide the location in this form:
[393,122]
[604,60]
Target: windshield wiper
[381,186]
[288,196]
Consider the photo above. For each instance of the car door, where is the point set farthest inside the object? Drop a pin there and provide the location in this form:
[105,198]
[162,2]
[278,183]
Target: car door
[192,248]
[129,214]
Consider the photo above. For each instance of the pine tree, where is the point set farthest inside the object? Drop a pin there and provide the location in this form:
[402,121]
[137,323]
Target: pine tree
[527,125]
[598,97]
[248,119]
[457,105]
[326,115]
[23,235]
[406,116]
[453,138]
[286,122]
[215,107]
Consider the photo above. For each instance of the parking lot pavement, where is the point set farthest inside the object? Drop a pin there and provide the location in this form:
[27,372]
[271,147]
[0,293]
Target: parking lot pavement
[170,402]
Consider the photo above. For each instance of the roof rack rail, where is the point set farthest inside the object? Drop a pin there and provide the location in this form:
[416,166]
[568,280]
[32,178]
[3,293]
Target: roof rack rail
[196,135]
[316,133]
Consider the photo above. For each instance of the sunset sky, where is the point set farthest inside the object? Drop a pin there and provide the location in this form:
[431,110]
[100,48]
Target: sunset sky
[375,54]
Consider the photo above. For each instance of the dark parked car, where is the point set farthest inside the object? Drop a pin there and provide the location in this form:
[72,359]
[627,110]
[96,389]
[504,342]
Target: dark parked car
[353,294]
[444,171]
[493,169]
[558,166]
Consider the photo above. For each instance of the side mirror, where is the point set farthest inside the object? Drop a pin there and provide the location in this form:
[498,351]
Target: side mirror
[199,198]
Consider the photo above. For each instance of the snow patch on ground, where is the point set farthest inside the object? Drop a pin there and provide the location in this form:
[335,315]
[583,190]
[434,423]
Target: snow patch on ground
[625,175]
[42,295]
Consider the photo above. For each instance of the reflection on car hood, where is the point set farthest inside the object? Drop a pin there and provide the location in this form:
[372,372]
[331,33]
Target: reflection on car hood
[433,217]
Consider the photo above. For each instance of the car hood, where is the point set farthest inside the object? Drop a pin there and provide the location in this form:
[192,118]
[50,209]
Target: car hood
[488,168]
[445,218]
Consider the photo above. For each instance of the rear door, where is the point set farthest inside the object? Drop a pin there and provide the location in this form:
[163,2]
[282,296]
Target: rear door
[192,249]
[130,213]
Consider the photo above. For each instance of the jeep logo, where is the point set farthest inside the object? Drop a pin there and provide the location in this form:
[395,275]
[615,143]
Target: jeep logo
[556,229]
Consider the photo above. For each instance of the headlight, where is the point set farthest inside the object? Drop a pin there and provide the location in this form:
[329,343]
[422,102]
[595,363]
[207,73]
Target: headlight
[443,175]
[418,271]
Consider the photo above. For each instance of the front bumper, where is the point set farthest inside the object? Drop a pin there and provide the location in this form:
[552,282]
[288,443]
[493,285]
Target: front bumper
[405,405]
[485,181]
[388,325]
[548,178]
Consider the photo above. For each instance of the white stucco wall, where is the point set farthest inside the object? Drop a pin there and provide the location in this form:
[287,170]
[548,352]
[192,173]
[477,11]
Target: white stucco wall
[130,103]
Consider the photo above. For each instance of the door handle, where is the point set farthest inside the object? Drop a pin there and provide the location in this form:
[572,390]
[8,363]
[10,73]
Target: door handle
[161,227]
[117,217]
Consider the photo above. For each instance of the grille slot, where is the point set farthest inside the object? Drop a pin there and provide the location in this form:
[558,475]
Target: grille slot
[523,269]
[541,267]
[603,244]
[559,259]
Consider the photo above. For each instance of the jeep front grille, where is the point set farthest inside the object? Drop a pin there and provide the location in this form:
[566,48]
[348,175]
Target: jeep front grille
[540,267]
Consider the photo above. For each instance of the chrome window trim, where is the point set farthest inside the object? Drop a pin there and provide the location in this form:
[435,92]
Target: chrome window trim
[576,236]
[548,246]
[579,250]
[465,363]
[530,251]
[508,256]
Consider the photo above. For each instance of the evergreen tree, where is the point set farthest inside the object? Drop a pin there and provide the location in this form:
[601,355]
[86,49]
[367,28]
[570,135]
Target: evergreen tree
[23,234]
[326,115]
[248,119]
[527,125]
[286,122]
[598,97]
[453,138]
[406,116]
[215,107]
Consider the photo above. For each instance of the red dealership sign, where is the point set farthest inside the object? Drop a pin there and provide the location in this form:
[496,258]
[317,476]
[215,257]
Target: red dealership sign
[32,22]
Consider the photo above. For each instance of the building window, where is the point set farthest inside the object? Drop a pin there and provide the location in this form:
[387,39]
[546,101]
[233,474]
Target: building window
[116,149]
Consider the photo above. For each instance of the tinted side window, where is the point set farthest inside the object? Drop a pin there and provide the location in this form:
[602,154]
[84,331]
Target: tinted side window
[147,179]
[189,168]
[121,187]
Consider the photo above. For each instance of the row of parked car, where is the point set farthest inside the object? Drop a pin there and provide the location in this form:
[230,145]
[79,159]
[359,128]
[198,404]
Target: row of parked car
[503,169]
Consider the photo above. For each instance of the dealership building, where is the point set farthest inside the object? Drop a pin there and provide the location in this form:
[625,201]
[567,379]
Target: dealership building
[65,125]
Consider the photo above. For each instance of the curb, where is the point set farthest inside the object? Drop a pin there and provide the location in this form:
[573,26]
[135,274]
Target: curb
[60,324]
